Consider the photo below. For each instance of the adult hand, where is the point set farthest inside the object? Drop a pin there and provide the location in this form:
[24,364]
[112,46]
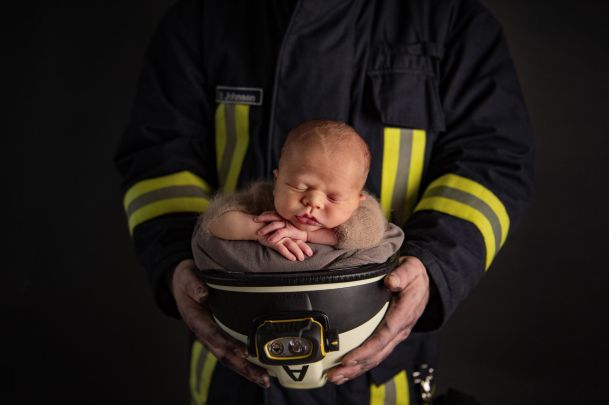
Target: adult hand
[191,295]
[410,284]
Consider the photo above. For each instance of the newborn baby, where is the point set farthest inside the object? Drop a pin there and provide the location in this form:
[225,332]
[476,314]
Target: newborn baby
[317,198]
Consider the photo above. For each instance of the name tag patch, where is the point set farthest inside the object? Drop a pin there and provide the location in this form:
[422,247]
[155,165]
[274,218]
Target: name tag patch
[239,95]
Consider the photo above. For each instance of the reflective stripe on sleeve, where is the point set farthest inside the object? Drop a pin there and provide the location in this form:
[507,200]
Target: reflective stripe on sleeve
[471,201]
[177,192]
[393,392]
[403,159]
[232,139]
[202,364]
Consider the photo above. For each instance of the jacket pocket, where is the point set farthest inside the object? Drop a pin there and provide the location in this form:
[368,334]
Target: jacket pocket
[407,99]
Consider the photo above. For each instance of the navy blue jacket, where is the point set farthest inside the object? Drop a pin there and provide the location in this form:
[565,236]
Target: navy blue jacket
[429,84]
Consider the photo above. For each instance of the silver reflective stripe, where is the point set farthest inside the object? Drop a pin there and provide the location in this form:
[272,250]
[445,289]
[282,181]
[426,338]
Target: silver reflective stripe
[398,202]
[163,194]
[390,396]
[472,201]
[231,143]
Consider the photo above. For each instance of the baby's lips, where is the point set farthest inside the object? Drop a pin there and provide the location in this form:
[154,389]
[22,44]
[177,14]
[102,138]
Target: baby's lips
[308,220]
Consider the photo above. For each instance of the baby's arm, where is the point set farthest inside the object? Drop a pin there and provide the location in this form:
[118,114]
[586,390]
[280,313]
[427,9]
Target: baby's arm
[323,237]
[238,225]
[278,228]
[235,225]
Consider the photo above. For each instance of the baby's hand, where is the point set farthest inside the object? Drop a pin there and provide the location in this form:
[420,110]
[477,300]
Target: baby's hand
[278,228]
[291,249]
[268,216]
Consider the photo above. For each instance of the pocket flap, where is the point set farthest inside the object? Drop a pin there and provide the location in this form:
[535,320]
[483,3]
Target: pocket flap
[407,99]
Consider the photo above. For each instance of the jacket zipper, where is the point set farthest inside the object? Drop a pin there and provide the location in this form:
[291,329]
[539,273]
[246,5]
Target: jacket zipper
[275,86]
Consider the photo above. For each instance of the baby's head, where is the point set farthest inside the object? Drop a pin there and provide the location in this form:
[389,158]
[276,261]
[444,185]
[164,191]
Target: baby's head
[321,175]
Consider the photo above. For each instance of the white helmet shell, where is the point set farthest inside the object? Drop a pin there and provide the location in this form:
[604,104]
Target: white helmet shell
[298,325]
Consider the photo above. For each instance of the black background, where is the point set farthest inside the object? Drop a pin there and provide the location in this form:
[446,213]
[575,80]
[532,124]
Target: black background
[79,318]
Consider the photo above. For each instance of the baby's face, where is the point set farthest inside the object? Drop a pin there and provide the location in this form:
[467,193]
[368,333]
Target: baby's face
[314,190]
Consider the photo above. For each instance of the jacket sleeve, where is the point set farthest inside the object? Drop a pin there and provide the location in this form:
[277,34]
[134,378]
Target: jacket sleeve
[479,179]
[166,155]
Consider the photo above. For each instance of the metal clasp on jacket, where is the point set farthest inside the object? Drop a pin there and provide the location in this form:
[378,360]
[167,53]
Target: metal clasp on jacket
[423,378]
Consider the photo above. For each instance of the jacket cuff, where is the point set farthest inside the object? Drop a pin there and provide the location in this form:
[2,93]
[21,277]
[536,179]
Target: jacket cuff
[160,245]
[434,315]
[160,283]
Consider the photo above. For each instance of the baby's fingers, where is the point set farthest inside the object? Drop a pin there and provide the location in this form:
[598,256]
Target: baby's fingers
[306,249]
[271,227]
[285,252]
[279,234]
[294,247]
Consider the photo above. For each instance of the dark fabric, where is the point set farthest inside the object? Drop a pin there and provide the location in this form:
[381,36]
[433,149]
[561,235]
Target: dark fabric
[454,397]
[228,387]
[438,65]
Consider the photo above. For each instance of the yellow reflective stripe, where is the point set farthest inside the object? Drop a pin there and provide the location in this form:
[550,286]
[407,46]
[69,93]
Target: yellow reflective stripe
[167,206]
[403,161]
[242,112]
[184,178]
[415,173]
[195,361]
[220,134]
[377,394]
[232,140]
[478,190]
[401,389]
[394,392]
[202,364]
[467,213]
[471,201]
[172,193]
[391,150]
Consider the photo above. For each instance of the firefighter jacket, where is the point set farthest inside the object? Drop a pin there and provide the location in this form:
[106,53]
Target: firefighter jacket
[429,84]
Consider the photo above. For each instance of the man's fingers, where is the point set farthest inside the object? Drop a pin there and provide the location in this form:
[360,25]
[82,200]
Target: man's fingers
[228,351]
[410,270]
[198,292]
[393,282]
[410,282]
[367,356]
[190,295]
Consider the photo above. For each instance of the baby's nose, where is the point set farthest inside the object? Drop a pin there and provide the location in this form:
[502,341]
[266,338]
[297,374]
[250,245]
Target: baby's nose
[314,199]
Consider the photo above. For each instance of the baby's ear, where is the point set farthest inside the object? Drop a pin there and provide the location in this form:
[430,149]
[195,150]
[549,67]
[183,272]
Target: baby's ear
[362,197]
[275,172]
